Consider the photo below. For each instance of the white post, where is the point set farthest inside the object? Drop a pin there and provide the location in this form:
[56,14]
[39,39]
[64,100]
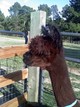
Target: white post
[38,19]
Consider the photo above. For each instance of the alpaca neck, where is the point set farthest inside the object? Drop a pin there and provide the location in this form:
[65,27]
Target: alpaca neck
[61,84]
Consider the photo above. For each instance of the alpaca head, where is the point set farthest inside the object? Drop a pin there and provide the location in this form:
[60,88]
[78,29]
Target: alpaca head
[43,49]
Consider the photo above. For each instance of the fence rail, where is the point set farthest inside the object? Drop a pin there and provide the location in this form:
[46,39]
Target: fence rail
[70,34]
[12,51]
[12,32]
[16,101]
[13,77]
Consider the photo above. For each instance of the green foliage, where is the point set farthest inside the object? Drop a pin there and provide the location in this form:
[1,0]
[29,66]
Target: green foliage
[19,19]
[45,8]
[72,13]
[55,12]
[1,27]
[14,9]
[69,27]
[76,5]
[71,17]
[2,18]
[25,10]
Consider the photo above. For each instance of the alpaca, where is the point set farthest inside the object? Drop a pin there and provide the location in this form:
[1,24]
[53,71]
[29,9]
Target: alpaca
[46,51]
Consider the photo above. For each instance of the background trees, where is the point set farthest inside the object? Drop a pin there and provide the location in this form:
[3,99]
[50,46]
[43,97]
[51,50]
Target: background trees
[2,18]
[19,20]
[71,14]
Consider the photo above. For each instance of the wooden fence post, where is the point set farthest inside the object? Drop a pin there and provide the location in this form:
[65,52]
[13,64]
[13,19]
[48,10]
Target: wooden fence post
[38,19]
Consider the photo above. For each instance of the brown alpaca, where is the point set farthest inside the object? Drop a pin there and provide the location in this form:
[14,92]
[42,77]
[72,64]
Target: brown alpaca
[46,51]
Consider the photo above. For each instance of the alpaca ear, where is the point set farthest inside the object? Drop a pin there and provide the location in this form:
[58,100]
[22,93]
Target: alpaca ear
[55,35]
[45,31]
[52,31]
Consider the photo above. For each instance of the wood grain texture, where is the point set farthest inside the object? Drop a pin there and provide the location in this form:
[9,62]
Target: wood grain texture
[16,101]
[13,77]
[7,52]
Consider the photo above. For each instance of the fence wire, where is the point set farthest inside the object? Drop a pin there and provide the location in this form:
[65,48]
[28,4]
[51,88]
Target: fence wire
[18,88]
[9,65]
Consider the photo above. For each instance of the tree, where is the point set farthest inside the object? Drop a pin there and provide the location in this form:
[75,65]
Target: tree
[75,4]
[55,12]
[67,12]
[14,9]
[2,18]
[25,10]
[70,14]
[24,17]
[20,17]
[45,8]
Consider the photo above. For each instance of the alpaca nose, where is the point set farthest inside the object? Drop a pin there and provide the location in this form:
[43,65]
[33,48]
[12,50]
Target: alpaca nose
[26,57]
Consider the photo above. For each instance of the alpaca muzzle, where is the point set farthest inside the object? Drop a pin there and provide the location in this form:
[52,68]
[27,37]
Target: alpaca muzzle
[26,58]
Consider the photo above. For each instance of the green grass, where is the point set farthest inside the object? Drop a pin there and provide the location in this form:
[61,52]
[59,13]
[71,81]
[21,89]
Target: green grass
[10,44]
[13,37]
[14,63]
[7,42]
[73,64]
[49,99]
[71,45]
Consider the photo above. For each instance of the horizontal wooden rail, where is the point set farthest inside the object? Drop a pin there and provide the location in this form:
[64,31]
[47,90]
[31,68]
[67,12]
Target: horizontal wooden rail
[13,77]
[16,101]
[7,52]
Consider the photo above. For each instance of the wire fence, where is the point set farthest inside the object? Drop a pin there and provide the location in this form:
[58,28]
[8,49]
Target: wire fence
[10,65]
[18,88]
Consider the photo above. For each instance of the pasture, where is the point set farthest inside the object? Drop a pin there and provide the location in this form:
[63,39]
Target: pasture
[11,40]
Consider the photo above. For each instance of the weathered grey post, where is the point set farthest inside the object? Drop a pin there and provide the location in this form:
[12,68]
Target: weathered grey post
[38,19]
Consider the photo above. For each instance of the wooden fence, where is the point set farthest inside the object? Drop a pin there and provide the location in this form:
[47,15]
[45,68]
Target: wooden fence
[8,52]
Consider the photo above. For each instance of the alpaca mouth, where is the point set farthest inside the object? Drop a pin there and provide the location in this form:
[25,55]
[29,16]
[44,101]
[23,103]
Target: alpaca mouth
[26,59]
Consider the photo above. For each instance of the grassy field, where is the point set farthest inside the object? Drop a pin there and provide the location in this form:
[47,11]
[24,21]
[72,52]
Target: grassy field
[71,50]
[11,40]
